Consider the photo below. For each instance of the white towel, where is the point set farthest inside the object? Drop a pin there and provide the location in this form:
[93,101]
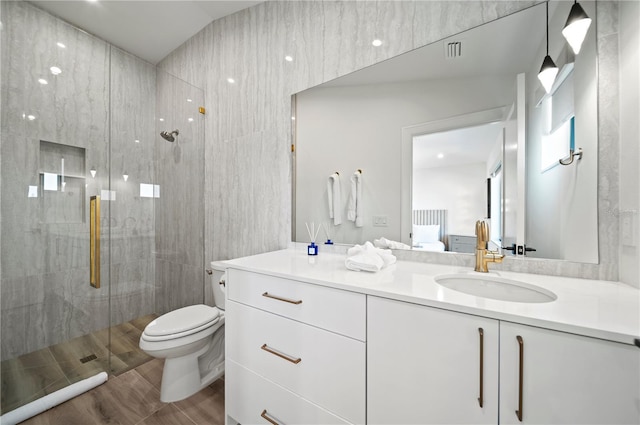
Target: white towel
[354,207]
[388,243]
[368,258]
[364,262]
[335,198]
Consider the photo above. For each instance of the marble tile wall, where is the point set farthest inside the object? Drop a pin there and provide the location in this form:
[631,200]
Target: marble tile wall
[45,292]
[247,149]
[179,209]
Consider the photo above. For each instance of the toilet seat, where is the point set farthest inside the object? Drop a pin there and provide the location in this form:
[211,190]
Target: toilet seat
[182,322]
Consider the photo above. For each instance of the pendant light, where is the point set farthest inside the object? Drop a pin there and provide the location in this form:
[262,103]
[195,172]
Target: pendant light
[576,27]
[548,70]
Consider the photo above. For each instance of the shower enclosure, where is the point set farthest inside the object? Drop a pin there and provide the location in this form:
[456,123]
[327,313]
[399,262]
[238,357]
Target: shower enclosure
[80,182]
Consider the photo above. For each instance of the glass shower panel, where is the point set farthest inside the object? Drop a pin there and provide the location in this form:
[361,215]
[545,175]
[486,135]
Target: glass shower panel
[54,158]
[179,194]
[132,221]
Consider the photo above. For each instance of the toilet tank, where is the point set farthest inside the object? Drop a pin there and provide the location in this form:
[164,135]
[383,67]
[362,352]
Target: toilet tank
[214,292]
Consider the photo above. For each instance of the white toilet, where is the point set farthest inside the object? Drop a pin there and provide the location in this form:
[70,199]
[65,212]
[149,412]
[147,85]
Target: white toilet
[191,340]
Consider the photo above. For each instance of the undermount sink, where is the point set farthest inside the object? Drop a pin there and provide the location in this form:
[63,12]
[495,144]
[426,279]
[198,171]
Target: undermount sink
[496,288]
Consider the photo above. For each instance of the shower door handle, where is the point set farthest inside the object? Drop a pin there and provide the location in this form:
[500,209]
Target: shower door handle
[94,241]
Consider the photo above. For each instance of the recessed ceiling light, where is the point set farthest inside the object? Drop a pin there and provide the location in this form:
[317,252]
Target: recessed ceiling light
[293,118]
[137,141]
[440,155]
[31,117]
[231,80]
[190,119]
[288,58]
[43,81]
[377,42]
[189,100]
[161,119]
[55,70]
[61,45]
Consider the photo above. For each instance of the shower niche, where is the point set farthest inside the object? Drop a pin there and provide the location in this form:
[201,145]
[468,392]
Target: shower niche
[62,183]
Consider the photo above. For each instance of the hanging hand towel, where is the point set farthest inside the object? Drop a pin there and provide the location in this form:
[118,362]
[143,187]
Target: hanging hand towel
[335,198]
[354,208]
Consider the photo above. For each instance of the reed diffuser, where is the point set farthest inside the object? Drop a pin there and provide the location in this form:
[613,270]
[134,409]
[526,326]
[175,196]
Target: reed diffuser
[312,249]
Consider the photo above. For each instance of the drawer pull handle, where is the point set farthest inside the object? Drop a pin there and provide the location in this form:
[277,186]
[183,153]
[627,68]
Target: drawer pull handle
[282,356]
[519,411]
[266,294]
[265,415]
[481,398]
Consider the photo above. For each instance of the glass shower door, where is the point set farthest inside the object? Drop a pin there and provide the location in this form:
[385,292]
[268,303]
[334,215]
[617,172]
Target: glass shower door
[54,159]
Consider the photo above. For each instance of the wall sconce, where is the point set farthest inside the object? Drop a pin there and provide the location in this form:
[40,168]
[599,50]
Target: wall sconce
[548,70]
[93,172]
[576,27]
[125,176]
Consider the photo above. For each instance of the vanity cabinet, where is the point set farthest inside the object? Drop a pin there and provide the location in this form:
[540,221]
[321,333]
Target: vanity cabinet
[295,352]
[566,378]
[430,366]
[424,367]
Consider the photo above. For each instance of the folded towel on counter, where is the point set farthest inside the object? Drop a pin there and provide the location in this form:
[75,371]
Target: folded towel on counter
[368,258]
[387,243]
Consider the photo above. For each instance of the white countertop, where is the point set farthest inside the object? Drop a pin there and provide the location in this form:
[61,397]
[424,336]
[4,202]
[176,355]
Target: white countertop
[600,309]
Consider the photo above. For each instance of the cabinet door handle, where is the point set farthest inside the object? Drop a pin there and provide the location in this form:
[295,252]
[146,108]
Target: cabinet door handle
[282,356]
[481,398]
[519,411]
[265,415]
[266,294]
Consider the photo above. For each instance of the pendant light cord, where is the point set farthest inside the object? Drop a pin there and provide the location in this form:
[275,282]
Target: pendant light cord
[547,22]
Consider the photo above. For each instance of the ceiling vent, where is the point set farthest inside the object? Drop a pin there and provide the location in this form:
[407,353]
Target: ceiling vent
[453,49]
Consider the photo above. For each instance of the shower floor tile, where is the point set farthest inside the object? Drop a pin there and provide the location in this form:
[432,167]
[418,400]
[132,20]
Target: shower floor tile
[33,375]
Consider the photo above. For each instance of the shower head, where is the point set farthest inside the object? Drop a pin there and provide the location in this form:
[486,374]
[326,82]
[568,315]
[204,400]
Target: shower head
[169,137]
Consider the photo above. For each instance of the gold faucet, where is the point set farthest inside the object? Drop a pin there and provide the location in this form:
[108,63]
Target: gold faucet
[483,255]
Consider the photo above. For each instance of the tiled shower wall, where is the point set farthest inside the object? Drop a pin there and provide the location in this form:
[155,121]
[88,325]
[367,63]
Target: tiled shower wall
[45,292]
[248,132]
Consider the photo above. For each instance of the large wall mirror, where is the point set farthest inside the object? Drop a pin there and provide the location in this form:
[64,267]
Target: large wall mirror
[456,131]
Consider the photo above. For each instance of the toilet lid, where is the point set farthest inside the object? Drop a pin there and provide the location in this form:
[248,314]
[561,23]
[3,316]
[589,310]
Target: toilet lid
[182,320]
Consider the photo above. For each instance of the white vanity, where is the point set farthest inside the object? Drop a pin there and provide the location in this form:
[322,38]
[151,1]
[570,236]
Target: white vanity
[309,341]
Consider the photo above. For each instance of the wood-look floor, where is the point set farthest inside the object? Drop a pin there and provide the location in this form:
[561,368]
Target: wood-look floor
[133,398]
[28,377]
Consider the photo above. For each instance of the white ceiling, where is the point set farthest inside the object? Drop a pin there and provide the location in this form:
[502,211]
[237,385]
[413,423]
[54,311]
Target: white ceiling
[502,47]
[462,146]
[150,29]
[506,47]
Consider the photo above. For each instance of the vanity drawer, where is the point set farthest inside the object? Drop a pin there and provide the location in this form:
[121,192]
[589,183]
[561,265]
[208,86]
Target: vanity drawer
[249,396]
[323,367]
[339,311]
